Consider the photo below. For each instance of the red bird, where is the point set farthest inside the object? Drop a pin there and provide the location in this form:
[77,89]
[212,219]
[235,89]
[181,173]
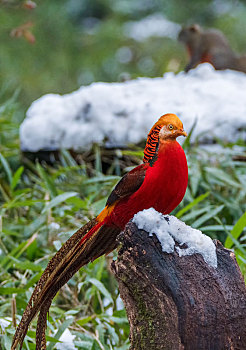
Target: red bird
[160,182]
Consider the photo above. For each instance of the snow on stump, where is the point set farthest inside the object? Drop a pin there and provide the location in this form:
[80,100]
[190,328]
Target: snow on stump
[181,290]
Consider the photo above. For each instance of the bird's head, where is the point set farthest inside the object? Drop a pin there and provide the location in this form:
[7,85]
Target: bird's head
[167,128]
[171,127]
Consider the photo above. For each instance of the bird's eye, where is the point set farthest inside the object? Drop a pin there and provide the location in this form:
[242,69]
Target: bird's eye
[170,127]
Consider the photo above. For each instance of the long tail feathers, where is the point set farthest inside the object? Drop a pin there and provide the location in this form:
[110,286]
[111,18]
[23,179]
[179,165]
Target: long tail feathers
[88,243]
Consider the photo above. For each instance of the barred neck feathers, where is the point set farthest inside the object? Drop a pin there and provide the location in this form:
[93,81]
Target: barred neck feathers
[151,148]
[165,130]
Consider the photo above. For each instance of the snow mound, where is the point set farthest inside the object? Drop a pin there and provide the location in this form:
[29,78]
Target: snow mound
[116,114]
[169,230]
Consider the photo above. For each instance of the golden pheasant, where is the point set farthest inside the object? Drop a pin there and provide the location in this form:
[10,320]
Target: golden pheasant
[160,182]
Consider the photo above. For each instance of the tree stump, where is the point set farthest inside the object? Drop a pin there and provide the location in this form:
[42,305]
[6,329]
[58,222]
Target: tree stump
[175,302]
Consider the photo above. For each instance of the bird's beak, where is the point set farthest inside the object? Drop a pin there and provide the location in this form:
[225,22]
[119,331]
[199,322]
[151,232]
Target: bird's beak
[181,132]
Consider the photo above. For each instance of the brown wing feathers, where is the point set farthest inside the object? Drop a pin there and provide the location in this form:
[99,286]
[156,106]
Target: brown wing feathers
[129,184]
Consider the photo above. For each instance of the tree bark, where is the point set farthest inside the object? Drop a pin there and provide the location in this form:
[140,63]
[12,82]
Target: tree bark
[176,303]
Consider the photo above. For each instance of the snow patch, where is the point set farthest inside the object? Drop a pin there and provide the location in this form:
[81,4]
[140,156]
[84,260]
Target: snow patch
[169,230]
[67,339]
[116,114]
[153,25]
[4,322]
[54,226]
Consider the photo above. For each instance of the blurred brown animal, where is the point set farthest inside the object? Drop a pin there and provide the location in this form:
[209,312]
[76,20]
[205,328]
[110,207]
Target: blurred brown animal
[210,46]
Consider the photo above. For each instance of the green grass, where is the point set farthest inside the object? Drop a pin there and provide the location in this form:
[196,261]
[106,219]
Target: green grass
[41,206]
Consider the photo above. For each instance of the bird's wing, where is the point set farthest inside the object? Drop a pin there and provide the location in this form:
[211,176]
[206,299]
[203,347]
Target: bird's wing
[129,184]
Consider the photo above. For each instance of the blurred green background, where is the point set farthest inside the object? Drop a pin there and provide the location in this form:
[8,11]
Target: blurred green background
[78,41]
